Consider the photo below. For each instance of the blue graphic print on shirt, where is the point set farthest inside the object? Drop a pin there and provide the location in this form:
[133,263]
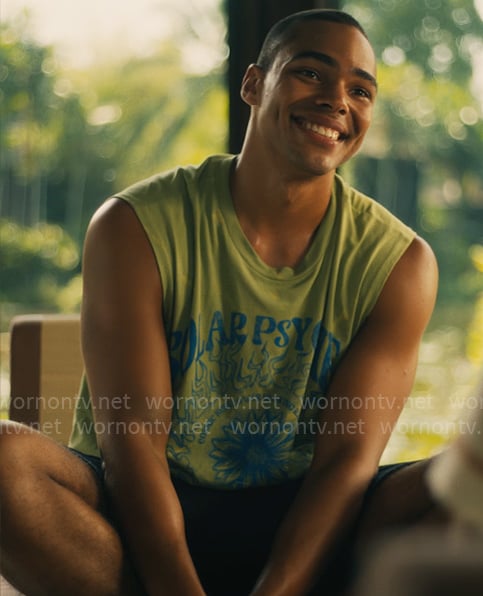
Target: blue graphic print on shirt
[222,343]
[223,365]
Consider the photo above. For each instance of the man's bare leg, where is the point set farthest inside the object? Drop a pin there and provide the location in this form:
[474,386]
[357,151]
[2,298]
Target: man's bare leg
[400,501]
[398,504]
[53,540]
[421,544]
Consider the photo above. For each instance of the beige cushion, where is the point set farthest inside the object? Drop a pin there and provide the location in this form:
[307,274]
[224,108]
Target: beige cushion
[45,371]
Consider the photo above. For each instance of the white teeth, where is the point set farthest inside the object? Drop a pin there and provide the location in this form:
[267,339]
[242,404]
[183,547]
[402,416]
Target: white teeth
[321,130]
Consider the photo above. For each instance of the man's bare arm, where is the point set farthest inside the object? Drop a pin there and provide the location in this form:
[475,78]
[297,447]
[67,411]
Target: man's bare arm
[126,360]
[380,363]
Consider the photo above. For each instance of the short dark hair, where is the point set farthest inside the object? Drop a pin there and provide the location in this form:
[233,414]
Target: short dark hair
[280,33]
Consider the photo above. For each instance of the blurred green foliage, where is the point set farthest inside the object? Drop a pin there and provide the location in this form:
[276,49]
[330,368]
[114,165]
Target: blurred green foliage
[429,114]
[71,138]
[39,264]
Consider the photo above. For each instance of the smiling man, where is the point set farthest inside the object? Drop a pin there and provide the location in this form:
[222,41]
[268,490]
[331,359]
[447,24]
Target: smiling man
[262,320]
[343,66]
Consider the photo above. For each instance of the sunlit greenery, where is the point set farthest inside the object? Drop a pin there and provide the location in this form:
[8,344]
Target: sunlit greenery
[69,139]
[37,263]
[428,115]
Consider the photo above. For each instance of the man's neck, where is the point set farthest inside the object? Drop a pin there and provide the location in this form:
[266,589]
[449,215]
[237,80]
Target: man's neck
[279,214]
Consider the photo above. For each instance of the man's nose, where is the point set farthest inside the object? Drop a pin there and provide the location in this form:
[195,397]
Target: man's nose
[333,97]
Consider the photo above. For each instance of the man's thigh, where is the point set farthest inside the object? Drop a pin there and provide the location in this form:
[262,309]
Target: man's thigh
[399,496]
[393,498]
[51,518]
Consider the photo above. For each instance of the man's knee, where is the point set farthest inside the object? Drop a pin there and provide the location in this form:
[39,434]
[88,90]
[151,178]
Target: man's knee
[21,446]
[29,457]
[14,446]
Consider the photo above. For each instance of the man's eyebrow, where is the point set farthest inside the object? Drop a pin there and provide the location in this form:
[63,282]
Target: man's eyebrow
[326,59]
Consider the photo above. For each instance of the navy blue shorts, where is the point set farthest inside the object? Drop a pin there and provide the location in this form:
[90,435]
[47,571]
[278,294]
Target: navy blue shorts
[233,530]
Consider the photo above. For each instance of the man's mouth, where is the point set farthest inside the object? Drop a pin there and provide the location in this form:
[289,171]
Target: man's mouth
[324,131]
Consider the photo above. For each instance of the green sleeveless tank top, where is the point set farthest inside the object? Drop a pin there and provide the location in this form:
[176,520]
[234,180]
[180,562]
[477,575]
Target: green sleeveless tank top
[252,348]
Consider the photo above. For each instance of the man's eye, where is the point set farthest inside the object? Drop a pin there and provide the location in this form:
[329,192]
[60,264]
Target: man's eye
[362,92]
[311,74]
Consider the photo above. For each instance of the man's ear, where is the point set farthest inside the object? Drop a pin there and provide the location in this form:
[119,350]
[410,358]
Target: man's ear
[251,87]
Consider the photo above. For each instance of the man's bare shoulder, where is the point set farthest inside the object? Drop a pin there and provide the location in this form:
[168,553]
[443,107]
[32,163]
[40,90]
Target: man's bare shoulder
[116,247]
[417,270]
[115,228]
[114,215]
[410,291]
[419,254]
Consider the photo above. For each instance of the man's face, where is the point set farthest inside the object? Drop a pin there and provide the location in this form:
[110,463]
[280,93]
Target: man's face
[314,105]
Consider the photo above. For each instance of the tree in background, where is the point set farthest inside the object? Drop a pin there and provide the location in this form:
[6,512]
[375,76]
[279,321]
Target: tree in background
[69,139]
[38,265]
[429,126]
[422,158]
[47,160]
